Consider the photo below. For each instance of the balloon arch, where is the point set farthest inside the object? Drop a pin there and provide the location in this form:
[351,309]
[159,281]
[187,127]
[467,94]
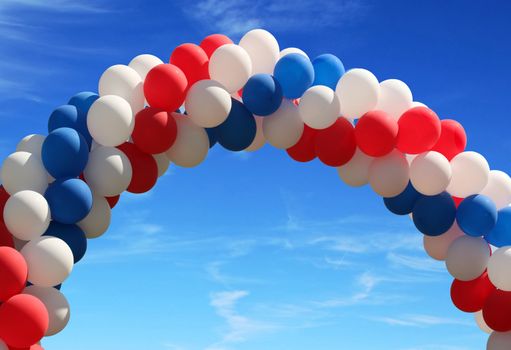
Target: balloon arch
[58,190]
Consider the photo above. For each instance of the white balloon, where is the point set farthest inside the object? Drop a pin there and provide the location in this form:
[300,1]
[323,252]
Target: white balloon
[356,172]
[283,128]
[358,91]
[108,172]
[24,171]
[230,65]
[110,120]
[97,221]
[418,104]
[192,143]
[289,50]
[430,173]
[27,215]
[259,140]
[437,246]
[3,346]
[481,323]
[389,175]
[319,107]
[31,144]
[499,341]
[498,188]
[263,49]
[467,257]
[470,173]
[498,268]
[162,162]
[142,64]
[123,81]
[208,103]
[395,98]
[56,304]
[18,243]
[49,260]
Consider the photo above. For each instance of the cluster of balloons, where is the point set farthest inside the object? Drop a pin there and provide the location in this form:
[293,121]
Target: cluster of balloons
[58,190]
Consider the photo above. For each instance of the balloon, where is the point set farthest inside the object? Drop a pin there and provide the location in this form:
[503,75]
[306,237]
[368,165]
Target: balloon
[470,173]
[13,273]
[295,74]
[155,130]
[239,129]
[262,94]
[500,235]
[263,49]
[437,246]
[303,150]
[112,201]
[419,130]
[56,304]
[26,215]
[319,107]
[31,144]
[358,91]
[477,215]
[259,140]
[162,162]
[165,87]
[230,65]
[49,261]
[144,168]
[123,81]
[74,116]
[142,64]
[70,200]
[191,145]
[328,69]
[499,341]
[24,171]
[430,173]
[389,175]
[356,172]
[498,188]
[453,139]
[395,98]
[213,42]
[478,316]
[403,203]
[434,215]
[283,128]
[289,50]
[23,321]
[192,60]
[376,133]
[82,101]
[6,238]
[497,311]
[498,268]
[108,172]
[110,120]
[97,221]
[336,145]
[470,296]
[208,103]
[467,257]
[72,235]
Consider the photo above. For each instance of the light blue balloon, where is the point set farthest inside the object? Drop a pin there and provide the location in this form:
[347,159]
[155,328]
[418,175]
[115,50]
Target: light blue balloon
[477,215]
[500,235]
[328,69]
[295,74]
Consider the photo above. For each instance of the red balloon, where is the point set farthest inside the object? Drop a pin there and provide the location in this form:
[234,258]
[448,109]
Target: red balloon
[4,196]
[145,169]
[33,347]
[303,150]
[155,130]
[453,139]
[112,201]
[336,144]
[457,201]
[6,239]
[165,87]
[13,273]
[470,296]
[23,321]
[376,133]
[213,42]
[192,60]
[497,311]
[419,130]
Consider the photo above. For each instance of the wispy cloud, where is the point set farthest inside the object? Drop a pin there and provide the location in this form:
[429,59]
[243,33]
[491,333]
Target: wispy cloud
[214,271]
[418,320]
[415,262]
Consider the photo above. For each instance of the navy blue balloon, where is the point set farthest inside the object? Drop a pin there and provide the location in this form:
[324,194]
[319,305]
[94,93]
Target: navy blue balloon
[70,200]
[295,74]
[211,136]
[68,116]
[328,69]
[500,235]
[65,153]
[477,215]
[239,129]
[71,234]
[262,94]
[434,215]
[403,203]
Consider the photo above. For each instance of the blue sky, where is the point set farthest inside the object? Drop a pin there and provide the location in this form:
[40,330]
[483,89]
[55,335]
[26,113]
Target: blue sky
[254,251]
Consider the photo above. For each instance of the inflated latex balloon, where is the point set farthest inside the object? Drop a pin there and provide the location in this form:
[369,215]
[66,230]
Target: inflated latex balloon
[395,98]
[497,311]
[336,145]
[165,87]
[142,64]
[123,81]
[355,173]
[259,139]
[419,130]
[24,171]
[434,215]
[500,235]
[328,69]
[403,203]
[13,273]
[498,188]
[97,221]
[239,129]
[144,168]
[470,296]
[499,341]
[213,42]
[162,162]
[303,150]
[155,130]
[470,174]
[478,316]
[74,117]
[477,215]
[72,235]
[453,139]
[31,144]
[112,201]
[231,66]
[437,246]
[262,94]
[110,120]
[289,50]
[56,304]
[82,101]
[498,268]
[208,103]
[376,133]
[192,60]
[467,257]
[108,172]
[295,74]
[263,49]
[70,200]
[430,173]
[358,91]
[319,107]
[283,128]
[191,146]
[27,215]
[389,175]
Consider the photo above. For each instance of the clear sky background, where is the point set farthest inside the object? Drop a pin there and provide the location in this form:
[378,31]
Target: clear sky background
[255,251]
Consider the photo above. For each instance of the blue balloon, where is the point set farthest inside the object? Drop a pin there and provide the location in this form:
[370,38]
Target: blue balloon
[262,94]
[70,200]
[82,101]
[239,129]
[211,136]
[295,74]
[500,235]
[434,215]
[65,153]
[328,69]
[67,116]
[57,287]
[71,234]
[403,203]
[477,215]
